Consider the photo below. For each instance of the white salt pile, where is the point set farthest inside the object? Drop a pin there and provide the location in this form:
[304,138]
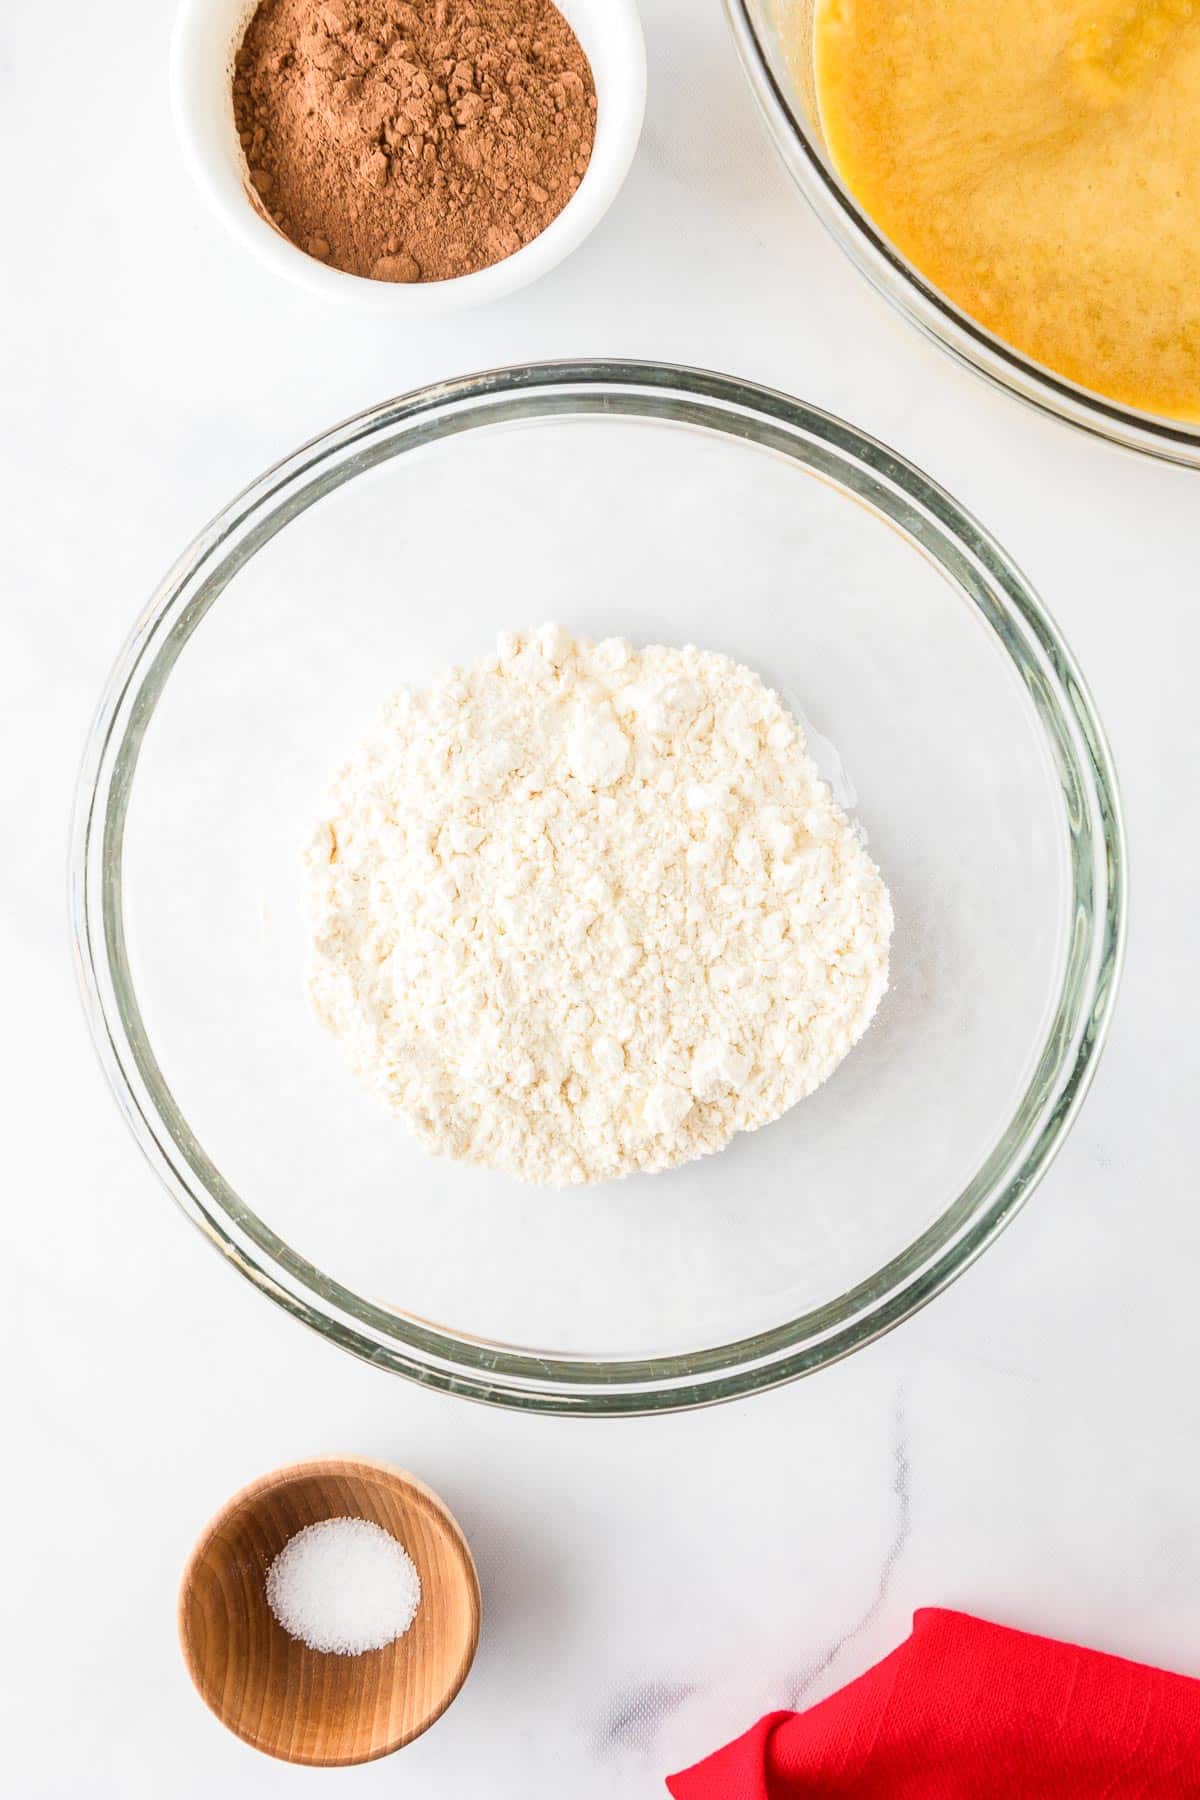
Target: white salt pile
[344,1585]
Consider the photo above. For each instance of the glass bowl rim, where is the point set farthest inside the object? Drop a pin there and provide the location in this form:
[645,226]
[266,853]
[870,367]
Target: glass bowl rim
[935,526]
[903,286]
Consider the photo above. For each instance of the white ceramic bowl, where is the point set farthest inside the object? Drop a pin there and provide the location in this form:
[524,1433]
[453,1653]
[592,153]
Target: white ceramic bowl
[207,35]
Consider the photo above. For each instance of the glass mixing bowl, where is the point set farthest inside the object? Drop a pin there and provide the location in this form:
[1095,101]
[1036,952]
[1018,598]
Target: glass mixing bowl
[774,39]
[663,504]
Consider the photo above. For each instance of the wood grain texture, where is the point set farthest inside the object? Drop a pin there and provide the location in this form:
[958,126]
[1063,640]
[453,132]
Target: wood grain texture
[304,1705]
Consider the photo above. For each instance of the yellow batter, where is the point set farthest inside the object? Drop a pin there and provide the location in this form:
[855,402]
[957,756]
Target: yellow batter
[1039,162]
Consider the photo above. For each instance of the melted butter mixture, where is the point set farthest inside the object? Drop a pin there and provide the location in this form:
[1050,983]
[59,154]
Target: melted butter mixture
[1039,162]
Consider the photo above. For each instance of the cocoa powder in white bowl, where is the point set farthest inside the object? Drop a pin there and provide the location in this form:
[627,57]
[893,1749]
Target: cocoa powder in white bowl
[208,34]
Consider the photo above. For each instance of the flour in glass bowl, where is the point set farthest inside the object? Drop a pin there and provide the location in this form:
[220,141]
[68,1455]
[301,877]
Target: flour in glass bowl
[579,910]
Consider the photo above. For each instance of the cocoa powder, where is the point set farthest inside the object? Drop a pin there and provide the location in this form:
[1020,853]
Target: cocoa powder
[413,140]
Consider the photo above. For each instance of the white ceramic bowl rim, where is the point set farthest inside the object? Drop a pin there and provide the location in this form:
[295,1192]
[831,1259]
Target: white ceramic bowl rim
[205,37]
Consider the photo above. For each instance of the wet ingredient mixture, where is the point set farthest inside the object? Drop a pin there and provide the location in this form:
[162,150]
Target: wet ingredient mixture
[1039,163]
[579,910]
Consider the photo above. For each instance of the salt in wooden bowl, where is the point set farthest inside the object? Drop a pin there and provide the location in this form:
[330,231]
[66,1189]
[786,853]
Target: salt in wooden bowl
[308,1706]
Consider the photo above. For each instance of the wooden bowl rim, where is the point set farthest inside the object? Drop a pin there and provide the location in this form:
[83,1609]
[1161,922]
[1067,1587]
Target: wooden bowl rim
[352,1467]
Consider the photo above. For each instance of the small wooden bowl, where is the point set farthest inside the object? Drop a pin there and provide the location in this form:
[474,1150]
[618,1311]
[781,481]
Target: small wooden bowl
[300,1704]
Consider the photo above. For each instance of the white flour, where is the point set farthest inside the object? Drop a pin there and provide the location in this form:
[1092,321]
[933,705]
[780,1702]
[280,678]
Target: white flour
[579,910]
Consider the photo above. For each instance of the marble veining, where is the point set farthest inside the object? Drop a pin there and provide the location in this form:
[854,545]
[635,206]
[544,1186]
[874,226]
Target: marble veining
[637,1714]
[900,1488]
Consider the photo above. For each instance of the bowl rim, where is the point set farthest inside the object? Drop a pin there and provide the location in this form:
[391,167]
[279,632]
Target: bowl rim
[198,64]
[937,527]
[905,288]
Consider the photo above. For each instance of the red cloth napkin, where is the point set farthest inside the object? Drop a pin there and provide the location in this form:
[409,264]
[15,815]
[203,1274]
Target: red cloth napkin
[965,1710]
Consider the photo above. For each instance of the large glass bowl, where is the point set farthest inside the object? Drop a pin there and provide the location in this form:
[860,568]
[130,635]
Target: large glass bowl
[774,39]
[664,504]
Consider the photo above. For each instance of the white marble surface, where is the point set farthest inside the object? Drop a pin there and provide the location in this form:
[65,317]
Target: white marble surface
[1028,1447]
